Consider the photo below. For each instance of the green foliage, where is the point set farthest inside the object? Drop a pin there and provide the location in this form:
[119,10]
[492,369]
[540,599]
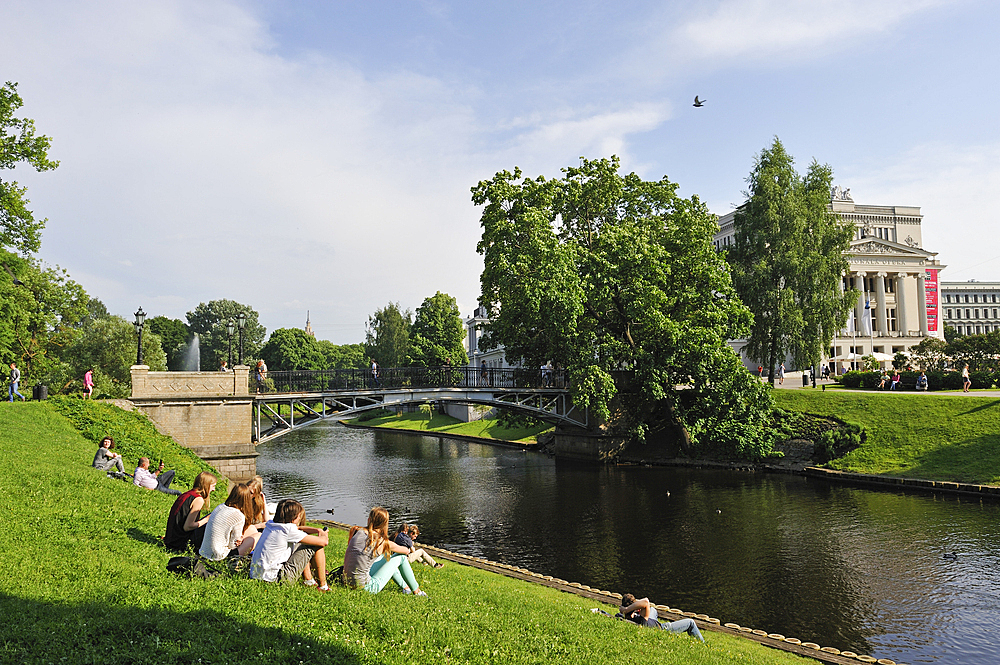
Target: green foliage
[936,380]
[437,333]
[869,363]
[209,321]
[174,335]
[342,356]
[19,230]
[788,260]
[375,413]
[950,334]
[979,352]
[292,349]
[835,443]
[900,360]
[38,318]
[387,336]
[599,273]
[108,347]
[930,354]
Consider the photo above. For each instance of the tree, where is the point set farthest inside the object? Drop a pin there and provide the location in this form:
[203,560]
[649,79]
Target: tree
[437,333]
[342,356]
[950,333]
[292,349]
[981,352]
[174,335]
[930,354]
[108,347]
[19,230]
[209,321]
[601,273]
[40,313]
[387,336]
[788,261]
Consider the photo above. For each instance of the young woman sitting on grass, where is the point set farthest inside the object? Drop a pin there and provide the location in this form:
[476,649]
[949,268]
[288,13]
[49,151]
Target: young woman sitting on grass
[261,510]
[185,525]
[286,548]
[372,559]
[230,530]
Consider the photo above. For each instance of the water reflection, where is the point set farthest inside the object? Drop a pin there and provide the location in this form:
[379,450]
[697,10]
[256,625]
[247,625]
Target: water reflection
[841,566]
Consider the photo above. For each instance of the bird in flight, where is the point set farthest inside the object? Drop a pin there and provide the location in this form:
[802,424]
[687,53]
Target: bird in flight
[699,102]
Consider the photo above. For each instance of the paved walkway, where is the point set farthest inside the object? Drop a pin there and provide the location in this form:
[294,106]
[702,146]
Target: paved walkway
[793,381]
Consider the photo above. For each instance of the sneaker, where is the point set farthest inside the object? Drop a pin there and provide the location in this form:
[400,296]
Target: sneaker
[439,565]
[310,582]
[408,591]
[419,592]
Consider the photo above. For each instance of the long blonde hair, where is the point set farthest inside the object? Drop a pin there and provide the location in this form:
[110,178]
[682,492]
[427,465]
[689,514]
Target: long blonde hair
[241,498]
[256,485]
[377,531]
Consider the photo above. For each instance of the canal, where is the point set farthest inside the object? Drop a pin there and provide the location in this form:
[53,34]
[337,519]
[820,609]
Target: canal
[911,577]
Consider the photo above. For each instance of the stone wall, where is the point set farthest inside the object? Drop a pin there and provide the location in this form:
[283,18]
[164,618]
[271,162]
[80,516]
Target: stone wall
[209,412]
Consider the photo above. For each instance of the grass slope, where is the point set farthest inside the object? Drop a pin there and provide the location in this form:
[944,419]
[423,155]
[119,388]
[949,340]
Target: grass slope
[84,581]
[935,437]
[484,429]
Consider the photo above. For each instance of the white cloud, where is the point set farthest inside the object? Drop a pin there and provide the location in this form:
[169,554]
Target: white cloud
[763,28]
[198,163]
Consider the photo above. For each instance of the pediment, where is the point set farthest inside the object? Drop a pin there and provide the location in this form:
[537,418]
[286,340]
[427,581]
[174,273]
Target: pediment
[878,247]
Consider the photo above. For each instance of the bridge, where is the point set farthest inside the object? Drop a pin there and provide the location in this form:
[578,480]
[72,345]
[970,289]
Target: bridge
[298,399]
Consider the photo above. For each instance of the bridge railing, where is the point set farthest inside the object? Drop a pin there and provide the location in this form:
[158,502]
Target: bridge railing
[401,378]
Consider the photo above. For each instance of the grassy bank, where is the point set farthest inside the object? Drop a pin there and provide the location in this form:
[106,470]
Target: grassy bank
[444,424]
[84,582]
[935,437]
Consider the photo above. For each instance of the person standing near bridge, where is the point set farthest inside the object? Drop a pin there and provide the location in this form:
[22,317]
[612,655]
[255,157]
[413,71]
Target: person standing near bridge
[375,381]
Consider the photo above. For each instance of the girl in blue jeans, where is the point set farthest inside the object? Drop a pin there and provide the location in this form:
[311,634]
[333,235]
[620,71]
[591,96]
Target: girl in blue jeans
[371,559]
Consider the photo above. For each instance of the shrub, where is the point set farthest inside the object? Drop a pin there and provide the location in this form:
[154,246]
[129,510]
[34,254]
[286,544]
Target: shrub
[373,414]
[838,442]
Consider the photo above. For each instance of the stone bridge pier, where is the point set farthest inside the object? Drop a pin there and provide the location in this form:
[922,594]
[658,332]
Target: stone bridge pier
[208,412]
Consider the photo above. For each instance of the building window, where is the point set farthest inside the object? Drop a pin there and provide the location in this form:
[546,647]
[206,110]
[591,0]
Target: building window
[966,297]
[960,330]
[949,314]
[994,297]
[975,298]
[976,312]
[890,285]
[947,298]
[979,330]
[994,312]
[891,316]
[967,312]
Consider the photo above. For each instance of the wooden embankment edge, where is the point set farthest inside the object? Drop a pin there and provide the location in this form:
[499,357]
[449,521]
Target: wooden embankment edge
[773,640]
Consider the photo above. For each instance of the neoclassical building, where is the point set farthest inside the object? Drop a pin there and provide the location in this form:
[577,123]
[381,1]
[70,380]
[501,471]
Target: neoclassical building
[898,279]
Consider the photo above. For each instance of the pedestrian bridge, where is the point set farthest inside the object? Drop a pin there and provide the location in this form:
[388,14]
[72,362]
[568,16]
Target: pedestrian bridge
[292,400]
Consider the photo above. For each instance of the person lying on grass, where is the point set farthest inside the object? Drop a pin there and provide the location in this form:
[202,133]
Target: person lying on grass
[230,531]
[106,460]
[185,524]
[158,480]
[372,559]
[405,536]
[642,612]
[286,549]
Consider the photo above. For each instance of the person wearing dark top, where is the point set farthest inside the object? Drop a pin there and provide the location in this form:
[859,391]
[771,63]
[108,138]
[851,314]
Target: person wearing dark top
[185,524]
[405,536]
[642,612]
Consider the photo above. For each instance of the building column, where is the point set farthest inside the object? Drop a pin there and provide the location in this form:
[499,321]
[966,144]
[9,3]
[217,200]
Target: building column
[883,318]
[901,303]
[859,309]
[922,303]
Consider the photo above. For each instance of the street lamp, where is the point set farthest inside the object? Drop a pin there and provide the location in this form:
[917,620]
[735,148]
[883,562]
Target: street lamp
[140,321]
[241,322]
[230,329]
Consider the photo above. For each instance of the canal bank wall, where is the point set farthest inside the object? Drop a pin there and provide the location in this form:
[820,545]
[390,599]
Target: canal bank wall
[705,623]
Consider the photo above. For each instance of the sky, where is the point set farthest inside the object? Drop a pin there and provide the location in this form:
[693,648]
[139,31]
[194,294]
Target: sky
[318,155]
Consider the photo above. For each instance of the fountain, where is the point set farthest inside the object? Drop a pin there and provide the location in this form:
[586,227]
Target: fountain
[192,356]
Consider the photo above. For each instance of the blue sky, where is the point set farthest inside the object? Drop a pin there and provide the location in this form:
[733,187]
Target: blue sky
[318,155]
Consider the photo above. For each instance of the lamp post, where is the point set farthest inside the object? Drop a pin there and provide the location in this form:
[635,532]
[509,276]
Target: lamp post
[241,322]
[230,329]
[140,321]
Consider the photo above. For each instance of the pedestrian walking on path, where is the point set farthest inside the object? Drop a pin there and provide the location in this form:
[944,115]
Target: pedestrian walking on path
[15,378]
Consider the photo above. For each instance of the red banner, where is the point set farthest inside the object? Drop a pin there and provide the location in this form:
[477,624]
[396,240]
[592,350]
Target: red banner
[931,296]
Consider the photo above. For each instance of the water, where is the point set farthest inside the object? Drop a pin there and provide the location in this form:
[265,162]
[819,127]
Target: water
[192,356]
[851,568]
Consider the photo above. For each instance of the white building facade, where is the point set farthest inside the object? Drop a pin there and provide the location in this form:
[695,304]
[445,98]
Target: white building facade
[898,279]
[492,359]
[972,307]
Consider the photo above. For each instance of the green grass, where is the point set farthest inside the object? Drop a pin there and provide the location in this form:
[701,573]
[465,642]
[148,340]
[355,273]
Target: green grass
[84,581]
[484,429]
[930,436]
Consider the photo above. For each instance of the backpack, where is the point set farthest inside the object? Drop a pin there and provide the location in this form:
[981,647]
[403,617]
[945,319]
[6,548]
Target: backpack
[191,566]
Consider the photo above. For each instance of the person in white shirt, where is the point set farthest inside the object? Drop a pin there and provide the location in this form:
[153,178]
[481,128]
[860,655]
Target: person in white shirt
[230,531]
[286,549]
[158,480]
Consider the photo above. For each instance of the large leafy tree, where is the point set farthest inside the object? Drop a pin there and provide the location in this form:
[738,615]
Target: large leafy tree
[437,333]
[209,321]
[292,349]
[387,336]
[605,273]
[41,310]
[108,347]
[174,335]
[19,230]
[341,356]
[788,261]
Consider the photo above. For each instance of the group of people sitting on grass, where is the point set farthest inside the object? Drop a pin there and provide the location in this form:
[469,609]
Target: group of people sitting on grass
[105,459]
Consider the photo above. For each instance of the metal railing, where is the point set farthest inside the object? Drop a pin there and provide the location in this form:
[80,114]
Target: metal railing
[404,378]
